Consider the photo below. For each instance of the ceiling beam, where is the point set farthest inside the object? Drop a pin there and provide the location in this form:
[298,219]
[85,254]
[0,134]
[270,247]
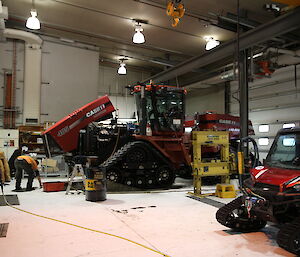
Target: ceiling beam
[147,23]
[276,27]
[19,21]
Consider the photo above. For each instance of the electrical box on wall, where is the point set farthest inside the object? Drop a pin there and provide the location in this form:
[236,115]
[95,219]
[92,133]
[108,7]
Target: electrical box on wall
[9,141]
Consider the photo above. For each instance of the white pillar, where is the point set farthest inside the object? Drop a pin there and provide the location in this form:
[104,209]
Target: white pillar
[32,84]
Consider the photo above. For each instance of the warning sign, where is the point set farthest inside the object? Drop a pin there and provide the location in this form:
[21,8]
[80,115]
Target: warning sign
[90,184]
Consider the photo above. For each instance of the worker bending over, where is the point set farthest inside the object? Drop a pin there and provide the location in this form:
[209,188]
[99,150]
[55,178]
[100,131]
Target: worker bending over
[27,163]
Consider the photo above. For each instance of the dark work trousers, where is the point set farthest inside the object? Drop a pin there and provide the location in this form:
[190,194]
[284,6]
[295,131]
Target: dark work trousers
[21,165]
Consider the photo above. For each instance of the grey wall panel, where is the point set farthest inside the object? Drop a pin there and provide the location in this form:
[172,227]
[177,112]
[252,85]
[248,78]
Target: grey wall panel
[72,74]
[203,100]
[113,84]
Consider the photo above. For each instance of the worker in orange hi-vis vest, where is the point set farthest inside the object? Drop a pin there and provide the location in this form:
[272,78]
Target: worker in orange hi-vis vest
[29,165]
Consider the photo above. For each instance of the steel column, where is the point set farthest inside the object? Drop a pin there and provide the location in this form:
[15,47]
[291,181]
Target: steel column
[227,97]
[244,97]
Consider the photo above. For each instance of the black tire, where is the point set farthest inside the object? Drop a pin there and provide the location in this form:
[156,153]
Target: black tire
[165,176]
[234,215]
[288,237]
[113,174]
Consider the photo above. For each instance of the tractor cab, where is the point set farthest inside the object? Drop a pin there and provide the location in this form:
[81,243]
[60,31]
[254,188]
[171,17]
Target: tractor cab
[161,108]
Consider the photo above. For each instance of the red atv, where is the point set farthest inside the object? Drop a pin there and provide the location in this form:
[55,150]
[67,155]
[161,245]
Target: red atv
[272,193]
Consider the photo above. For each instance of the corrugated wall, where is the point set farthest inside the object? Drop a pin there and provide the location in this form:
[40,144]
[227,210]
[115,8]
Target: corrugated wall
[272,101]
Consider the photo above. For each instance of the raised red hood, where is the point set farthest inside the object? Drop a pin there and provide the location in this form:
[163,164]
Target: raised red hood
[273,176]
[66,131]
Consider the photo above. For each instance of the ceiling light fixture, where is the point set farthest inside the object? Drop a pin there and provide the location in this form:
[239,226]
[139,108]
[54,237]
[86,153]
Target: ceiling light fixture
[122,69]
[211,43]
[33,22]
[138,37]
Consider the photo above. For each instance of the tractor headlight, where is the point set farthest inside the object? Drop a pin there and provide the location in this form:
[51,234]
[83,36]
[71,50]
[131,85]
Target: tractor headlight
[297,187]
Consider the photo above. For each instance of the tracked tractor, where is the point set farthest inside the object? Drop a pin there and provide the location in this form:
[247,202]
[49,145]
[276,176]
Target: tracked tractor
[272,193]
[148,156]
[155,154]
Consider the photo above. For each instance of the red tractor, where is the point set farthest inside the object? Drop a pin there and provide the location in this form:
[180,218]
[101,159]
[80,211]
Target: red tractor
[272,193]
[150,155]
[129,156]
[148,160]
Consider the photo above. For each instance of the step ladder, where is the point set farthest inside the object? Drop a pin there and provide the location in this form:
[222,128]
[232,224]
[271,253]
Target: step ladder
[77,170]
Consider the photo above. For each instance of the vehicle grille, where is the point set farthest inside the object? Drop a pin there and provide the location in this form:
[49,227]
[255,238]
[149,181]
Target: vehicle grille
[266,187]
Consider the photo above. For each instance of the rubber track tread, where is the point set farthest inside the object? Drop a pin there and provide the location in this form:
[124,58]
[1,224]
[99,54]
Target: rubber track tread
[285,234]
[224,211]
[240,224]
[118,155]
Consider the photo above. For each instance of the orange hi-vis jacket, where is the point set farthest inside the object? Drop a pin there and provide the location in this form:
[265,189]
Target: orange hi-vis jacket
[29,160]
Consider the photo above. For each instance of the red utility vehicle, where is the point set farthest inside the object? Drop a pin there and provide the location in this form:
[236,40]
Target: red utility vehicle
[272,193]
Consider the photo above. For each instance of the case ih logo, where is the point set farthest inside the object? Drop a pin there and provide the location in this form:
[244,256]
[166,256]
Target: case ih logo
[94,111]
[89,114]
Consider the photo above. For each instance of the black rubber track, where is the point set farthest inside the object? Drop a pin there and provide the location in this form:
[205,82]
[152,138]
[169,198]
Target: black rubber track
[120,155]
[242,224]
[288,237]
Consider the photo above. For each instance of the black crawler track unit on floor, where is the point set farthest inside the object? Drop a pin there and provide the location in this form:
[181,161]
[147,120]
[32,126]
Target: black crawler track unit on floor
[233,215]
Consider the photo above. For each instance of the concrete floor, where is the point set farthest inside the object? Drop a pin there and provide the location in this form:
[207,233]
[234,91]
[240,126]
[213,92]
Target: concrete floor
[170,222]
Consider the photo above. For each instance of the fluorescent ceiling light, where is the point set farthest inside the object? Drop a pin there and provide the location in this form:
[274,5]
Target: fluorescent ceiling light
[138,37]
[122,69]
[67,40]
[211,43]
[263,141]
[257,55]
[33,22]
[289,125]
[263,128]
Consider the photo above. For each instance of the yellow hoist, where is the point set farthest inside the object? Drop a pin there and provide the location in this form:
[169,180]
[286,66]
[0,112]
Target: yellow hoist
[176,10]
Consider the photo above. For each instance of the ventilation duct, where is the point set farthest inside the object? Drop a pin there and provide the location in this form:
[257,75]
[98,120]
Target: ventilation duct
[3,16]
[32,74]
